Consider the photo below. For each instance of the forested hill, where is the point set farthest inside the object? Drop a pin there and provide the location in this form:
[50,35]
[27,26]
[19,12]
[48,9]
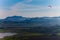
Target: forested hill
[19,21]
[37,24]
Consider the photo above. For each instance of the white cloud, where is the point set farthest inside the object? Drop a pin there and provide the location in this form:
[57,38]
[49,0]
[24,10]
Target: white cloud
[32,11]
[22,9]
[27,1]
[22,6]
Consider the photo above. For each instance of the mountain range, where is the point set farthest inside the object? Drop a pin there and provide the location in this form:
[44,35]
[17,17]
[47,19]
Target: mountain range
[19,21]
[44,25]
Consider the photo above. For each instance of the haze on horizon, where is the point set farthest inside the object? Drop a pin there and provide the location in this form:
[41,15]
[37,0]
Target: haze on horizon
[29,8]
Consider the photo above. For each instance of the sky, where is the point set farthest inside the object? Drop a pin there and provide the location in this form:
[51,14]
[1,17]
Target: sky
[29,8]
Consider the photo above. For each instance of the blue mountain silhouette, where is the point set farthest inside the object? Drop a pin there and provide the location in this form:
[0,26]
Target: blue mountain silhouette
[24,21]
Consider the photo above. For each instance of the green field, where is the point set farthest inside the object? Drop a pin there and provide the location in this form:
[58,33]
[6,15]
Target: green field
[23,35]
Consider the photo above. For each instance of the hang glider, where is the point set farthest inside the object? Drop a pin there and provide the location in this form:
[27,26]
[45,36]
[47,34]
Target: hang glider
[49,6]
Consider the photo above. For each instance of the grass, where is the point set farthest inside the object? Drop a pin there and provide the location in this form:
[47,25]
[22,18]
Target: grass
[1,30]
[25,36]
[58,34]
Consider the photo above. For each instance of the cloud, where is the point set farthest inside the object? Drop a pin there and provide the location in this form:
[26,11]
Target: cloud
[33,10]
[23,9]
[22,6]
[27,1]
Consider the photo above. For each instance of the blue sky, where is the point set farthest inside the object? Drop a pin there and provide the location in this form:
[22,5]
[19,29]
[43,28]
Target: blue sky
[29,8]
[33,2]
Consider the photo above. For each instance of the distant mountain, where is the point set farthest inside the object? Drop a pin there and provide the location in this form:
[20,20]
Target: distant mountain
[15,18]
[19,21]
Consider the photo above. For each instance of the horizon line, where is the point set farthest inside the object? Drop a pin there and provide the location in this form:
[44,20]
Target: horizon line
[32,17]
